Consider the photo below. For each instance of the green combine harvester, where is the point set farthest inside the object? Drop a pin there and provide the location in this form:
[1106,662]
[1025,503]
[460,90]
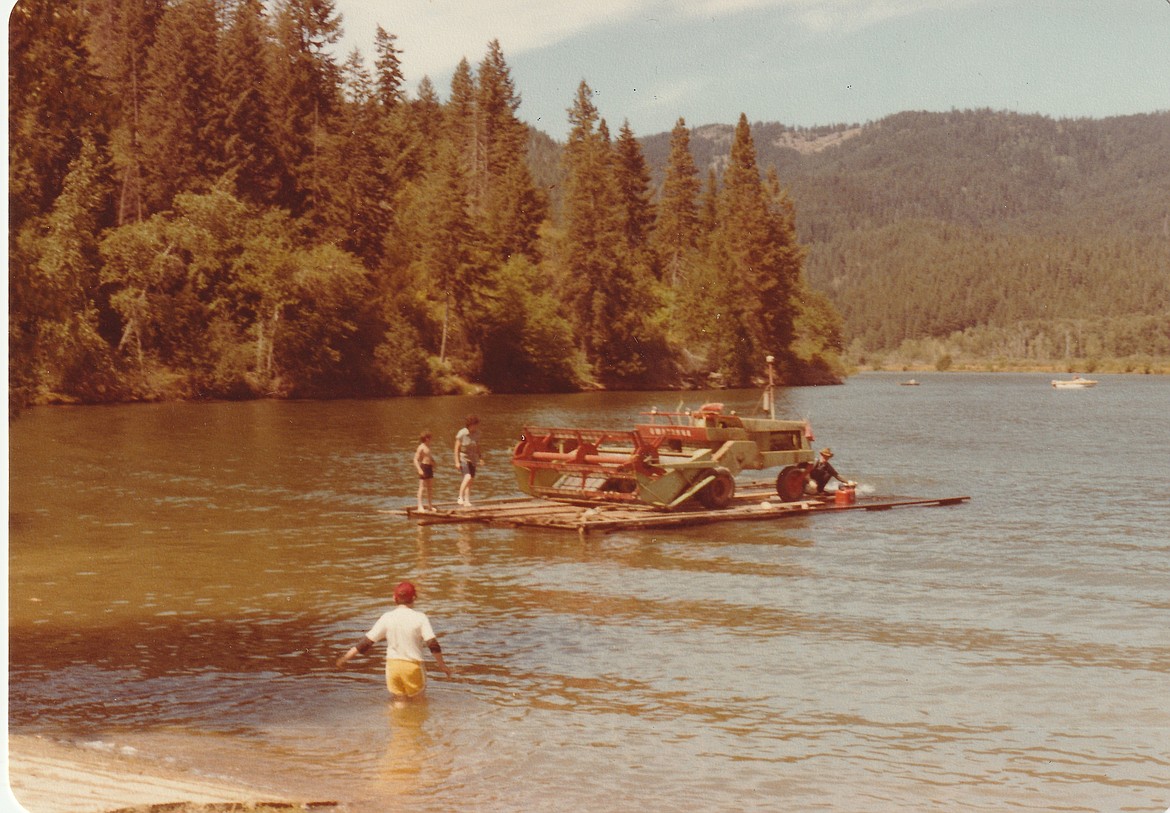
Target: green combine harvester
[675,457]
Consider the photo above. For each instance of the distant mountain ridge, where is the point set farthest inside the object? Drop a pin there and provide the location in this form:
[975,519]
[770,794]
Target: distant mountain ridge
[971,167]
[927,224]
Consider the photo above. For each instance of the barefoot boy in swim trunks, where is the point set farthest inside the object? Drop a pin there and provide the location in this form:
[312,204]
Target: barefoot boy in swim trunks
[424,464]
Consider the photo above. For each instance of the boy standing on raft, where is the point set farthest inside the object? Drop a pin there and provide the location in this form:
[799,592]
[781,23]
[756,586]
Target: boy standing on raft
[424,464]
[467,457]
[405,630]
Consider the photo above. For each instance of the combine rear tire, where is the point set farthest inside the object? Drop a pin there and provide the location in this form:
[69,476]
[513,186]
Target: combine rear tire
[718,493]
[790,483]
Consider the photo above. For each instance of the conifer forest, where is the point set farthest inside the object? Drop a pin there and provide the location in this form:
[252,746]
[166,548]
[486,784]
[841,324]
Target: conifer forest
[206,201]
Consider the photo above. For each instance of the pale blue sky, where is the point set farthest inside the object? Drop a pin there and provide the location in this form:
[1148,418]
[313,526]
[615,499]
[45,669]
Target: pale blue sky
[798,62]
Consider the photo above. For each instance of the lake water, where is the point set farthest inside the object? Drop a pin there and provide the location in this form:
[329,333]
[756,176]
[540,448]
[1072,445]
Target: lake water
[181,577]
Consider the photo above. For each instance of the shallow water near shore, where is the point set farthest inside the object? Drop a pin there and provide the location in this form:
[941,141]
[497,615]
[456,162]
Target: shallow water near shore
[181,577]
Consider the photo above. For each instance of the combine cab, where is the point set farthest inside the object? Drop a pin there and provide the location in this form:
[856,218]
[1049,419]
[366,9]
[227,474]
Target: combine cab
[675,457]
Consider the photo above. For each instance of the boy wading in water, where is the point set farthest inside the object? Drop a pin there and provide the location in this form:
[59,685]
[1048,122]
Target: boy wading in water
[424,464]
[406,631]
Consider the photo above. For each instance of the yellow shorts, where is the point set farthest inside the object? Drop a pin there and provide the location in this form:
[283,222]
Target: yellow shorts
[405,678]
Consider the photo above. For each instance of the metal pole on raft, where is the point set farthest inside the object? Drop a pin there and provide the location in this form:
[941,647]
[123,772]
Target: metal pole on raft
[770,391]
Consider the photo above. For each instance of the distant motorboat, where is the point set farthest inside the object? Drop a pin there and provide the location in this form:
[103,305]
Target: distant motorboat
[910,383]
[1074,383]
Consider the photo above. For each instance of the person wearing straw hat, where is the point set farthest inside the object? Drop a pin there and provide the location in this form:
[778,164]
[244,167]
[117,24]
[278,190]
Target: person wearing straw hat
[823,471]
[406,631]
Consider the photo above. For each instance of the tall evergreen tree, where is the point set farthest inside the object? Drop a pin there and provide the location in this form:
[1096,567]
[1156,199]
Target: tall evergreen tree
[388,70]
[676,231]
[461,119]
[491,144]
[633,179]
[590,254]
[121,35]
[416,129]
[708,209]
[415,133]
[503,195]
[427,111]
[180,109]
[304,91]
[55,99]
[248,150]
[498,135]
[609,306]
[446,271]
[758,263]
[353,184]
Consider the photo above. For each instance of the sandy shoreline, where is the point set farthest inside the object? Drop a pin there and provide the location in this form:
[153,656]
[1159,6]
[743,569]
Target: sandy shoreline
[45,776]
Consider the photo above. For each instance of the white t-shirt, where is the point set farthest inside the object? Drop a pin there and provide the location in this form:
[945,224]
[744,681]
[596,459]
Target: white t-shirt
[405,630]
[468,445]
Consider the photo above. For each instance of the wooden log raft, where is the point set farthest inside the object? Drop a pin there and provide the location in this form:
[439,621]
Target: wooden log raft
[753,502]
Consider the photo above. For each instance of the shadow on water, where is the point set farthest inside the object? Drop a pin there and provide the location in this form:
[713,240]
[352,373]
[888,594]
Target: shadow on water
[166,671]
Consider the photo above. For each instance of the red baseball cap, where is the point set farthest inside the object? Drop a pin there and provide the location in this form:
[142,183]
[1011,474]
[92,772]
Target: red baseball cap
[404,593]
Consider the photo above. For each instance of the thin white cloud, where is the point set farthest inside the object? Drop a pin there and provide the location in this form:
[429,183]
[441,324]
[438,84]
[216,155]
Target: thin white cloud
[674,94]
[435,34]
[823,15]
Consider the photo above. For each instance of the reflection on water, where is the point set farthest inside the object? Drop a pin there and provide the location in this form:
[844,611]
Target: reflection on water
[182,577]
[414,761]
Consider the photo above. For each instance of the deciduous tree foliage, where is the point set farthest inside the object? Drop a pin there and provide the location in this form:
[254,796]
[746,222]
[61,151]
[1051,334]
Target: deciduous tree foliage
[526,342]
[62,290]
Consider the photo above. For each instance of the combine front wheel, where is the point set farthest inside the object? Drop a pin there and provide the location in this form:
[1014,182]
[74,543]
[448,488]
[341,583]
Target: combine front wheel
[790,483]
[718,493]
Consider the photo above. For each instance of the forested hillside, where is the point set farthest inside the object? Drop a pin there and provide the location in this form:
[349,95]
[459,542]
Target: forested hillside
[206,202]
[984,234]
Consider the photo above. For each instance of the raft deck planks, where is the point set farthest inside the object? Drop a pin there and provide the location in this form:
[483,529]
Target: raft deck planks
[754,502]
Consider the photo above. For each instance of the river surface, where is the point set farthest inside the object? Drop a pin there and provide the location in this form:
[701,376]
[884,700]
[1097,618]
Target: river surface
[181,577]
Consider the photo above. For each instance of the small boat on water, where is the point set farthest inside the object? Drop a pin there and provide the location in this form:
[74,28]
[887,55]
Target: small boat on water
[1074,383]
[910,383]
